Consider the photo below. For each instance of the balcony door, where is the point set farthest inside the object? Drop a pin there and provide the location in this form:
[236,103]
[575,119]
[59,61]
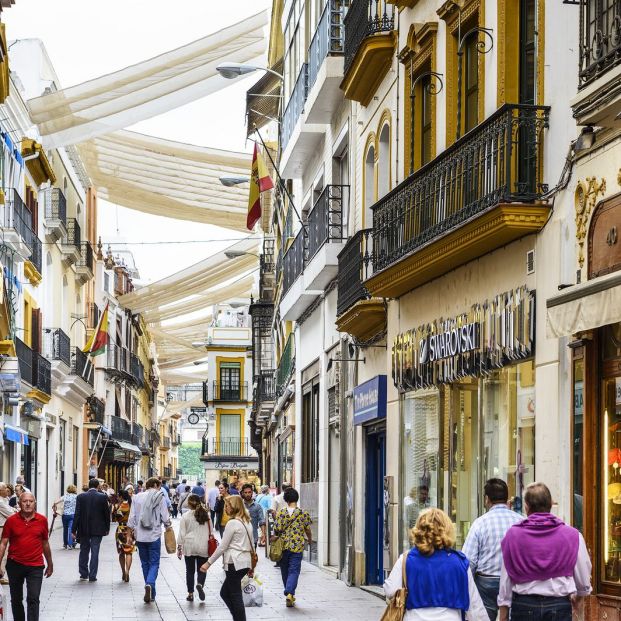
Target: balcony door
[230,434]
[230,381]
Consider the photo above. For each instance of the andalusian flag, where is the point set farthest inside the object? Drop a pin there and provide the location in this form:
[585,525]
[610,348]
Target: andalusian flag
[99,340]
[260,181]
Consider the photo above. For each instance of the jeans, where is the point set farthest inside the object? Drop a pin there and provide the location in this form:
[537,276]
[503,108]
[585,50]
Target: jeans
[67,536]
[89,545]
[33,576]
[290,567]
[488,590]
[149,553]
[231,592]
[540,608]
[192,566]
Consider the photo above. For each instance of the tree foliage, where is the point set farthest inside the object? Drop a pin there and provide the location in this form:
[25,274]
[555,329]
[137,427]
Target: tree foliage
[189,460]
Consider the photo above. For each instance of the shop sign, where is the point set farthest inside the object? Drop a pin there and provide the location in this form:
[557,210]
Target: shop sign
[370,400]
[235,465]
[490,336]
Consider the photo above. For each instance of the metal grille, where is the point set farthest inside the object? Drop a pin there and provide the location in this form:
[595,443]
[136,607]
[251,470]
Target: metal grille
[55,205]
[355,266]
[57,345]
[325,221]
[498,161]
[86,256]
[286,366]
[294,260]
[82,366]
[73,237]
[295,106]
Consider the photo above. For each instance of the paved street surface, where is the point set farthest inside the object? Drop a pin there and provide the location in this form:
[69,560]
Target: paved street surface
[63,597]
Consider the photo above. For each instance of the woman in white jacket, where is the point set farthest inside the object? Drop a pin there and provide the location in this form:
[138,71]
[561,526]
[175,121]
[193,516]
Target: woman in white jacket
[193,543]
[236,551]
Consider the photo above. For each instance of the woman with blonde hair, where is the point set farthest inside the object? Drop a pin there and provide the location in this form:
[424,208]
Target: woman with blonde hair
[66,505]
[236,550]
[438,577]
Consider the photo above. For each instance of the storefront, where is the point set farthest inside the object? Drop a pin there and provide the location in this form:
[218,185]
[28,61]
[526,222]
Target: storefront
[467,387]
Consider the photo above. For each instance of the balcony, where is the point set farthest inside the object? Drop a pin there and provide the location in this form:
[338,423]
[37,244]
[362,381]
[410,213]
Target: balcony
[286,366]
[57,347]
[325,63]
[16,221]
[71,244]
[96,410]
[230,392]
[121,429]
[136,370]
[599,99]
[298,139]
[295,299]
[165,443]
[36,371]
[264,395]
[357,313]
[176,439]
[480,194]
[84,267]
[167,472]
[118,362]
[82,367]
[370,43]
[55,214]
[227,447]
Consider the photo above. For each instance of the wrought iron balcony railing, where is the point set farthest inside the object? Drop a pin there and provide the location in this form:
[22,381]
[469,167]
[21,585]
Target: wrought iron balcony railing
[600,38]
[86,256]
[266,385]
[36,249]
[355,266]
[33,367]
[74,235]
[325,221]
[286,366]
[294,107]
[294,260]
[364,19]
[121,428]
[230,447]
[55,205]
[138,434]
[329,38]
[136,370]
[96,410]
[230,392]
[82,366]
[165,442]
[57,345]
[17,216]
[167,472]
[118,359]
[498,161]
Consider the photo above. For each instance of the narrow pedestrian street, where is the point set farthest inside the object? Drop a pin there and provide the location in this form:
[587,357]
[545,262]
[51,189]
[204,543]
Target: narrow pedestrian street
[64,597]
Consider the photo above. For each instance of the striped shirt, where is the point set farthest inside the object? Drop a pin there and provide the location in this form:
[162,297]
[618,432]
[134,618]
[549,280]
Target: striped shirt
[482,545]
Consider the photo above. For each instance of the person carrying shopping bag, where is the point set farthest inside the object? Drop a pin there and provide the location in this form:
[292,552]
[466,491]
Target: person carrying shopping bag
[292,525]
[195,531]
[238,555]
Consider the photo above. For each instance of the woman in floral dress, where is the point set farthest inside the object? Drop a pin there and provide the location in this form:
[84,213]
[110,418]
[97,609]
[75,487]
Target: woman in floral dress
[125,546]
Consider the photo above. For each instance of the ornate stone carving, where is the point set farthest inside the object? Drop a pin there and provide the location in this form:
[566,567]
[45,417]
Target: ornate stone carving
[585,198]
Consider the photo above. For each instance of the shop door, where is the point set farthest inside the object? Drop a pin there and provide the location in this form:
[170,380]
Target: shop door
[375,534]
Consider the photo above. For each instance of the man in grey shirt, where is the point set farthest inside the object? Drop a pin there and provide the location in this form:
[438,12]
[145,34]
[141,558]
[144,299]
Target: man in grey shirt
[148,514]
[257,517]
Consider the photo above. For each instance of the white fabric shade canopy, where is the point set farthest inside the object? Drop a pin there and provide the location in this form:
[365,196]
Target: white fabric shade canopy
[141,91]
[167,178]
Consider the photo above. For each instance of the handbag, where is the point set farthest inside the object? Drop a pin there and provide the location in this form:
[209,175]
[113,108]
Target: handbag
[170,541]
[212,543]
[395,609]
[254,557]
[276,549]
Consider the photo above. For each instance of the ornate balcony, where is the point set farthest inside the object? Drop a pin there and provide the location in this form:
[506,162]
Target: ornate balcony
[599,99]
[121,429]
[357,313]
[370,41]
[96,412]
[480,194]
[230,392]
[82,367]
[229,447]
[36,371]
[55,214]
[286,366]
[16,224]
[57,346]
[71,245]
[84,267]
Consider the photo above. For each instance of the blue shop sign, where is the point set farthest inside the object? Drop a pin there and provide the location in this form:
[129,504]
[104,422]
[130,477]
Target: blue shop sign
[370,400]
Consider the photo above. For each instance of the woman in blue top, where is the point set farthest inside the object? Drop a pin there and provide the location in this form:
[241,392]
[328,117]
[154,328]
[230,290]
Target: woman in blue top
[440,584]
[68,511]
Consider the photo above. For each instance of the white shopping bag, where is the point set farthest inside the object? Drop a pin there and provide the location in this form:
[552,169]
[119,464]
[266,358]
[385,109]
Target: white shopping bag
[252,591]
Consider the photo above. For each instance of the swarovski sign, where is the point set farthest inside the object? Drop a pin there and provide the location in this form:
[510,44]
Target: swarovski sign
[491,335]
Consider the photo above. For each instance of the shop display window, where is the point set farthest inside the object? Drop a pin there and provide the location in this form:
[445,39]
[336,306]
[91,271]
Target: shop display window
[421,457]
[578,439]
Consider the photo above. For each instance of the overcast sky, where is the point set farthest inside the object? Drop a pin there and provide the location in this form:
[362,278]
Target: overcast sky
[88,38]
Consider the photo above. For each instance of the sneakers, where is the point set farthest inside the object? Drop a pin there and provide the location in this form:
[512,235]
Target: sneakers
[147,593]
[83,578]
[201,592]
[290,601]
[190,597]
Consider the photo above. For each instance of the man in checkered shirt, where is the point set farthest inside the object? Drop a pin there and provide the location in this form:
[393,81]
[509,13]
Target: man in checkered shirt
[482,545]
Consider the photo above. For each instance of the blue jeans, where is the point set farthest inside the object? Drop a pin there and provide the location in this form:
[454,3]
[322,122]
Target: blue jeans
[149,553]
[540,608]
[488,590]
[67,536]
[89,545]
[290,567]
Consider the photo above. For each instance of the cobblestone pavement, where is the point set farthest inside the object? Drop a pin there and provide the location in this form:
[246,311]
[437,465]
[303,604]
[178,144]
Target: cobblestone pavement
[64,597]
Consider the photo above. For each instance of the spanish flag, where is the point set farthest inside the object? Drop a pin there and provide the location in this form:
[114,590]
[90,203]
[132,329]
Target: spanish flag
[99,340]
[260,181]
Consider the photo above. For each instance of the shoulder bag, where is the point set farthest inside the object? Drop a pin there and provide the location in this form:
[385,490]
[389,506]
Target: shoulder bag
[395,610]
[212,543]
[254,558]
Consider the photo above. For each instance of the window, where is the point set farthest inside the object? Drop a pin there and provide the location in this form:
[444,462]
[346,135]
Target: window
[230,381]
[471,83]
[383,163]
[310,432]
[425,120]
[528,13]
[578,438]
[229,439]
[369,186]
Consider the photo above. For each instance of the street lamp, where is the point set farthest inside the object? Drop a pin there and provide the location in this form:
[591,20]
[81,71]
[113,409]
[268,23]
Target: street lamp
[229,182]
[230,71]
[235,254]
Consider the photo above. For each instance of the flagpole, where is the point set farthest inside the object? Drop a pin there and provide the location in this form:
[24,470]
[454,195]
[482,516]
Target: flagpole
[281,183]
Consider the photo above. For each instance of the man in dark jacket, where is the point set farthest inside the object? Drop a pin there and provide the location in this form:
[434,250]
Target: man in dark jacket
[90,523]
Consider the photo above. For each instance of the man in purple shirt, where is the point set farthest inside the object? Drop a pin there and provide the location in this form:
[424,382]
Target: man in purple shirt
[545,564]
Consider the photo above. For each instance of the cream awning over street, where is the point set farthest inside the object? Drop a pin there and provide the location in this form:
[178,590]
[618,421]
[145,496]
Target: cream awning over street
[144,90]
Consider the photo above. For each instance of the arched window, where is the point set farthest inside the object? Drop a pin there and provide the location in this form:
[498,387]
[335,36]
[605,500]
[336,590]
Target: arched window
[383,163]
[369,186]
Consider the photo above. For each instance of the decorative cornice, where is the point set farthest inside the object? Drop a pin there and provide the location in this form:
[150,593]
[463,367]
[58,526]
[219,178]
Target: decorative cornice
[32,273]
